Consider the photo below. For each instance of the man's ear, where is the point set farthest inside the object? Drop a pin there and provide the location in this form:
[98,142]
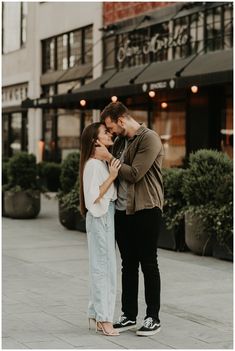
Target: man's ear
[121,121]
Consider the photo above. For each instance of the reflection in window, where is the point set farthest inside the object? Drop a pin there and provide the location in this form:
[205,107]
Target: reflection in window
[88,54]
[62,54]
[170,126]
[16,120]
[109,49]
[5,134]
[75,42]
[226,131]
[68,131]
[68,50]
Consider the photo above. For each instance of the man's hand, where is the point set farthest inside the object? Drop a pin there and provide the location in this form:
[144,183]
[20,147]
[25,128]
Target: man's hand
[102,153]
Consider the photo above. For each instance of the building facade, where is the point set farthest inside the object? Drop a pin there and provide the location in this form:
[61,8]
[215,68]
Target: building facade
[54,52]
[170,63]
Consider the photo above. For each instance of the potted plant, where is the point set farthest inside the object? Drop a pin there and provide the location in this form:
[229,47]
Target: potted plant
[4,182]
[49,175]
[201,187]
[172,233]
[223,220]
[69,214]
[22,194]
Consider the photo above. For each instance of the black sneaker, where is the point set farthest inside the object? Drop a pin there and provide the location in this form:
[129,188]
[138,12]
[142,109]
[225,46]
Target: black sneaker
[150,327]
[124,324]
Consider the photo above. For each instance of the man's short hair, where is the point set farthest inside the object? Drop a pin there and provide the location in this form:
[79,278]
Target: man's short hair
[114,110]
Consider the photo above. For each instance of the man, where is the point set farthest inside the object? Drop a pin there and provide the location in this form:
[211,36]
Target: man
[138,213]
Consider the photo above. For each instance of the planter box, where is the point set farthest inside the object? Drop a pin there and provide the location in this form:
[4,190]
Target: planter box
[172,239]
[222,252]
[198,240]
[22,204]
[3,205]
[71,219]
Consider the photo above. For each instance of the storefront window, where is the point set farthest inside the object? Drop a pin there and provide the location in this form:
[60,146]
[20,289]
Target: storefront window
[109,49]
[228,26]
[199,32]
[169,123]
[49,135]
[75,41]
[68,50]
[5,135]
[62,52]
[88,37]
[68,131]
[226,131]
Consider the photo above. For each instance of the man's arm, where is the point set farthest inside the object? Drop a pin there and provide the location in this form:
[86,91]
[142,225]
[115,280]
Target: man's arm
[149,148]
[102,153]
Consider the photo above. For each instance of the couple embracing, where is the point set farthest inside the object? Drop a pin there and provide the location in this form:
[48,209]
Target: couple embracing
[121,194]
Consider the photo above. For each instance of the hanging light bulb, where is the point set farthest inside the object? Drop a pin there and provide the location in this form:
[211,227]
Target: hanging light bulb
[164,105]
[152,93]
[194,89]
[114,98]
[83,103]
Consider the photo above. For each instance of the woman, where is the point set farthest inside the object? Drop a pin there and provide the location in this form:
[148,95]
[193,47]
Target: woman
[97,196]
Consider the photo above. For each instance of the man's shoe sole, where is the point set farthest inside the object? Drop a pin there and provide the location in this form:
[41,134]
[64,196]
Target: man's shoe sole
[147,333]
[125,328]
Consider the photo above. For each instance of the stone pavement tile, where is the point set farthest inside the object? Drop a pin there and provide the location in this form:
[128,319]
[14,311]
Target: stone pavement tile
[56,344]
[90,340]
[10,343]
[213,336]
[61,253]
[33,336]
[18,307]
[221,345]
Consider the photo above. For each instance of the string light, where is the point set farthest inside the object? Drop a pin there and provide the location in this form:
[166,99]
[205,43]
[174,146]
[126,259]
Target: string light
[83,103]
[164,105]
[152,93]
[194,89]
[114,98]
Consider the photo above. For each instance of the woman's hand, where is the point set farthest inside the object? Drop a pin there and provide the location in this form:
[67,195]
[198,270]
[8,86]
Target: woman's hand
[114,167]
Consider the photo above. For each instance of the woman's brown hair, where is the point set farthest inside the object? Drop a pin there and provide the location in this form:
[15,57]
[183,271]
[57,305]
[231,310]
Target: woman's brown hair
[88,140]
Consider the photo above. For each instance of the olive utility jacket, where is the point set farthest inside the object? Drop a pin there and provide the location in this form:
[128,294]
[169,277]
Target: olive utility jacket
[141,169]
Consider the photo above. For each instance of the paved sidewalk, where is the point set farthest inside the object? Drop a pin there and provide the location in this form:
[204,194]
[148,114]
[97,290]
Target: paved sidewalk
[45,285]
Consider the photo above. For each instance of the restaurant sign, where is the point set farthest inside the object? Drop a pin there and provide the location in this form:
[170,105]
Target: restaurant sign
[154,44]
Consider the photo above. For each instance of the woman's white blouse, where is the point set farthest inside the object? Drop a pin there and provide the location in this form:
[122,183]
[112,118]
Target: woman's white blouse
[94,175]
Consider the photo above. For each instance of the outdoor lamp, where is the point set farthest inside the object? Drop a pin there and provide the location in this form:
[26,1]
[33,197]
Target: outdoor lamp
[164,105]
[194,89]
[83,103]
[152,93]
[114,98]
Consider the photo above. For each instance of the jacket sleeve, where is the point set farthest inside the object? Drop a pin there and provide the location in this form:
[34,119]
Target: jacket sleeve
[149,148]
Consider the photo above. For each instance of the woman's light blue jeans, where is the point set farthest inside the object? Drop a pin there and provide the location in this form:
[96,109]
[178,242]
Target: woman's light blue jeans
[102,265]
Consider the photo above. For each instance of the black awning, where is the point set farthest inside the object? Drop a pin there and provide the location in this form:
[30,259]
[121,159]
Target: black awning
[211,68]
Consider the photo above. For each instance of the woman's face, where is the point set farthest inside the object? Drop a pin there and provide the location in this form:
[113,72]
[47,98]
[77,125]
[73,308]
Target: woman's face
[104,136]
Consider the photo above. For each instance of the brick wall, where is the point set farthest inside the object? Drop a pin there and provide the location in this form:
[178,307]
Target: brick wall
[117,11]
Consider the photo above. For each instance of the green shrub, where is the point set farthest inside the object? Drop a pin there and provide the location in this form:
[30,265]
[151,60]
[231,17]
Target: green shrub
[173,198]
[208,191]
[22,171]
[69,172]
[203,180]
[4,173]
[49,174]
[71,200]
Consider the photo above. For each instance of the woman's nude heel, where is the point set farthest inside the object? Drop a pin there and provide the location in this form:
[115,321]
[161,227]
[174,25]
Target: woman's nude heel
[100,327]
[94,324]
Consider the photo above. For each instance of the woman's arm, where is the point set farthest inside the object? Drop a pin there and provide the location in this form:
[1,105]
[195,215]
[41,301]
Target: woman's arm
[113,169]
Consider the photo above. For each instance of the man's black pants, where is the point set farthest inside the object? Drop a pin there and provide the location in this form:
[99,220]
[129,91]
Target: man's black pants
[137,237]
